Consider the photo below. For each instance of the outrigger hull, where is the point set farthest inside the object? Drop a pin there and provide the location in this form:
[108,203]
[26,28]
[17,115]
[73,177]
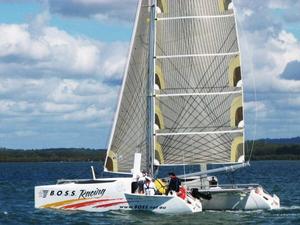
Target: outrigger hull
[108,194]
[239,199]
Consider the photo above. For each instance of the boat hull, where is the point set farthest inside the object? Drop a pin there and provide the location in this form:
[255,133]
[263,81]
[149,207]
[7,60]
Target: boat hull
[239,199]
[106,195]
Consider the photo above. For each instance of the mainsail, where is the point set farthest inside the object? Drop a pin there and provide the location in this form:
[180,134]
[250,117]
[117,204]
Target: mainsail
[198,90]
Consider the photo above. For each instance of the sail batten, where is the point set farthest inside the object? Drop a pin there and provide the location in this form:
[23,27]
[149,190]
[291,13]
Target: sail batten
[195,55]
[195,17]
[201,133]
[199,94]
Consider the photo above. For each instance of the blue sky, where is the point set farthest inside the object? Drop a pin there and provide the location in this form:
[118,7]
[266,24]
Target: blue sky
[61,64]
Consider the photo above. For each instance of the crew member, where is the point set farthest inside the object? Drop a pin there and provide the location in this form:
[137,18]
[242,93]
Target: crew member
[149,187]
[141,182]
[213,182]
[174,184]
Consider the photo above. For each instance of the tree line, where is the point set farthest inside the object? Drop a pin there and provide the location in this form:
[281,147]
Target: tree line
[273,151]
[262,150]
[52,155]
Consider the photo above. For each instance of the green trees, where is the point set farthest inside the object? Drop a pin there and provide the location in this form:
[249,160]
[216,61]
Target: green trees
[51,155]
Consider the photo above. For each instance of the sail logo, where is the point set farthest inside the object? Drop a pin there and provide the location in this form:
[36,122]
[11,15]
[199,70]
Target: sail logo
[90,194]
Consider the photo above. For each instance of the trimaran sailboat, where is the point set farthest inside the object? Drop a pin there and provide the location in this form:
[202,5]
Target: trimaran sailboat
[181,103]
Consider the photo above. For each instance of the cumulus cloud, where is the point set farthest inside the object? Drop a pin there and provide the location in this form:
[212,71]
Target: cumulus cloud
[55,86]
[54,51]
[270,56]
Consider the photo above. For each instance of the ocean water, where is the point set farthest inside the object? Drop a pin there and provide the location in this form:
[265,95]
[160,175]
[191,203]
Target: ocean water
[17,181]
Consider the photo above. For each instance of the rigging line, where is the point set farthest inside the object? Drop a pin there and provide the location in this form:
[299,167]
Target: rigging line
[192,149]
[174,120]
[213,100]
[220,48]
[216,57]
[219,141]
[205,118]
[205,156]
[194,17]
[205,146]
[208,141]
[133,70]
[210,122]
[191,104]
[255,116]
[175,67]
[135,96]
[133,92]
[124,122]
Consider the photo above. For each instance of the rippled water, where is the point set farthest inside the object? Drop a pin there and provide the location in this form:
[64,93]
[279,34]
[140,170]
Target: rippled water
[17,181]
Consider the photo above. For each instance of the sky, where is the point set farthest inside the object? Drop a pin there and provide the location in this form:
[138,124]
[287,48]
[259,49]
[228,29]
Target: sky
[62,62]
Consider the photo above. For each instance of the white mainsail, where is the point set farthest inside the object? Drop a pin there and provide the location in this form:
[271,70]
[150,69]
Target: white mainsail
[198,93]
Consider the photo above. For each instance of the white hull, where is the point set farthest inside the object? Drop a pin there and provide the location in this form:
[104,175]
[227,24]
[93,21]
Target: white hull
[239,199]
[233,196]
[109,194]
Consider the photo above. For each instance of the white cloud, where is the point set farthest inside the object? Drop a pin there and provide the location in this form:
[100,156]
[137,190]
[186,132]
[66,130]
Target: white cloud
[54,51]
[91,113]
[265,58]
[55,84]
[267,47]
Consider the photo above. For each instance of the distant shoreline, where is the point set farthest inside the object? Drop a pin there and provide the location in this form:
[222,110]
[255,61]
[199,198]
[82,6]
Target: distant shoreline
[263,150]
[52,155]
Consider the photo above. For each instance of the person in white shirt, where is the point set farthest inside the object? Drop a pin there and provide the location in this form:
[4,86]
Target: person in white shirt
[141,181]
[149,187]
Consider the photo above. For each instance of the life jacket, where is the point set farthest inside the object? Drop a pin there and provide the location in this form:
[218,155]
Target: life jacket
[182,191]
[160,186]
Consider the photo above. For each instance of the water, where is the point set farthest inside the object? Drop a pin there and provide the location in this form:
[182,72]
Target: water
[17,181]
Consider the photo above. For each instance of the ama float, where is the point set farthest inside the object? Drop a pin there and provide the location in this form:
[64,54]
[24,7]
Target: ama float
[181,103]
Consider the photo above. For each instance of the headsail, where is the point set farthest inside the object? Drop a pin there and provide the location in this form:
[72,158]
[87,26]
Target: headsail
[198,90]
[129,131]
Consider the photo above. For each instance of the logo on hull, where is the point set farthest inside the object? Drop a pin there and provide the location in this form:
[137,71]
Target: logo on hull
[82,194]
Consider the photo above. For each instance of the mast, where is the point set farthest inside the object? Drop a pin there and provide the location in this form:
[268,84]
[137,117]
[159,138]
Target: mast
[150,86]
